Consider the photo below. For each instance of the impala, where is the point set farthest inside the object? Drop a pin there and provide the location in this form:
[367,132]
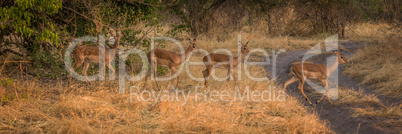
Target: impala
[90,54]
[223,61]
[171,60]
[302,71]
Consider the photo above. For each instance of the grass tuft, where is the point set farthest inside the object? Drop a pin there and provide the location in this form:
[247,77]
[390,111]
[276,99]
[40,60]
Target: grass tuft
[378,64]
[391,111]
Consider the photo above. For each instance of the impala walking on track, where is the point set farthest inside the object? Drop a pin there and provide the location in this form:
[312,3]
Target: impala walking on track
[302,71]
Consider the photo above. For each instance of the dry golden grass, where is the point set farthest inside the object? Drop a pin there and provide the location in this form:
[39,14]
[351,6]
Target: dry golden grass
[378,65]
[352,96]
[373,106]
[259,40]
[370,31]
[31,106]
[391,111]
[97,107]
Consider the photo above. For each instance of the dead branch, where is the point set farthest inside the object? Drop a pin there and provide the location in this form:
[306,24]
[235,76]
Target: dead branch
[10,51]
[5,22]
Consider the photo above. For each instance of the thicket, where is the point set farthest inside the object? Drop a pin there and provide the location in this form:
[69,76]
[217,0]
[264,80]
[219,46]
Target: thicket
[39,31]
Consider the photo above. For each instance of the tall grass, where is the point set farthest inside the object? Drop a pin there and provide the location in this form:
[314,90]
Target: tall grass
[34,106]
[350,96]
[392,111]
[379,62]
[98,108]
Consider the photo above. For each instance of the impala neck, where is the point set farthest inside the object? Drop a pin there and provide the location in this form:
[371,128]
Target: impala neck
[116,43]
[241,55]
[186,53]
[115,47]
[333,67]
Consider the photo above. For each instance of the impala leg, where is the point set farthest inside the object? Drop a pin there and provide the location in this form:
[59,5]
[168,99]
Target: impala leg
[173,71]
[103,75]
[78,62]
[206,74]
[288,82]
[301,84]
[85,68]
[109,65]
[149,70]
[146,76]
[234,77]
[302,79]
[302,91]
[177,83]
[325,83]
[228,75]
[329,99]
[155,76]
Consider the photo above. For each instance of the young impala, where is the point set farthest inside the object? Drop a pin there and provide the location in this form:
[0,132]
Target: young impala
[223,61]
[90,54]
[159,57]
[314,71]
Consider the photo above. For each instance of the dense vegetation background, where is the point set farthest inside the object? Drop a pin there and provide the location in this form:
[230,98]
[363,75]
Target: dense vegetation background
[36,95]
[41,29]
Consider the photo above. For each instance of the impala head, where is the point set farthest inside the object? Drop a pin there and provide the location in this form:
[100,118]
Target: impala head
[193,47]
[244,48]
[341,58]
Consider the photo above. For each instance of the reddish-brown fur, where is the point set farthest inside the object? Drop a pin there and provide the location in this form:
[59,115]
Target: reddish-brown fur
[314,71]
[168,59]
[223,61]
[90,54]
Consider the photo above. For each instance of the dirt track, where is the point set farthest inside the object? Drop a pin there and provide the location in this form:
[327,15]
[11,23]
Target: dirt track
[337,115]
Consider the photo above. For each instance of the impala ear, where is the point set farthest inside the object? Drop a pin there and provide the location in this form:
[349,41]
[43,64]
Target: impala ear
[240,43]
[194,40]
[336,52]
[246,43]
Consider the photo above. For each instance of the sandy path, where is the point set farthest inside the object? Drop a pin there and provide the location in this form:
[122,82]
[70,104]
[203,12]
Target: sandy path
[337,115]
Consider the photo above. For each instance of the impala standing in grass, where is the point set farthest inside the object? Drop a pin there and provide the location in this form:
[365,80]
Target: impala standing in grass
[171,60]
[228,62]
[90,54]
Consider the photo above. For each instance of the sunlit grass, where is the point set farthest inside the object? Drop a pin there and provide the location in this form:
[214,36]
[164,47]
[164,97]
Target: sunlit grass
[97,107]
[391,111]
[350,96]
